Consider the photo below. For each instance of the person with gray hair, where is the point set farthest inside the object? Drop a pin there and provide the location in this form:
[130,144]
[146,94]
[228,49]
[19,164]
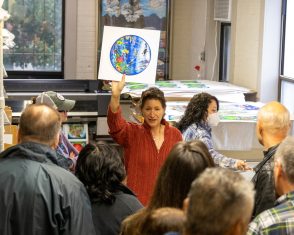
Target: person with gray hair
[279,220]
[220,202]
[272,127]
[36,195]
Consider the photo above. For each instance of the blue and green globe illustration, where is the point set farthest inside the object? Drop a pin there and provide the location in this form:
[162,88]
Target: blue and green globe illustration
[130,55]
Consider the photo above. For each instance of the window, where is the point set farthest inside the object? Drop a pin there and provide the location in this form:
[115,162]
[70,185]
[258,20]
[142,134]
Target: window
[287,64]
[225,45]
[38,29]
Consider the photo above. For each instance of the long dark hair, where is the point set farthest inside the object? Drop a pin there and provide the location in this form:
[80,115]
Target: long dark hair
[101,170]
[196,110]
[183,164]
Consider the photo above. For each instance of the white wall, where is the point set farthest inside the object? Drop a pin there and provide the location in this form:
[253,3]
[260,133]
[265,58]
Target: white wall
[270,58]
[70,39]
[246,41]
[188,37]
[81,39]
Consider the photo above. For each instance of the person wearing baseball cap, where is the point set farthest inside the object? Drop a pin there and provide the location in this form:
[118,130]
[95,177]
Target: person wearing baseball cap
[67,154]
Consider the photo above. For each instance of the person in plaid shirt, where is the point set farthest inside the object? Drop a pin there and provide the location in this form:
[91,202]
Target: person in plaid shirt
[280,219]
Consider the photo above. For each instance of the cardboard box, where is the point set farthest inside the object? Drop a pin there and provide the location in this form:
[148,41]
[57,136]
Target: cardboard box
[8,113]
[10,135]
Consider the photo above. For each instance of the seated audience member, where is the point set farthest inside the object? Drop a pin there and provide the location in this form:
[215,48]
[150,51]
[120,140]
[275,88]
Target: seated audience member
[101,170]
[162,220]
[200,115]
[66,152]
[36,195]
[273,124]
[220,202]
[183,164]
[280,219]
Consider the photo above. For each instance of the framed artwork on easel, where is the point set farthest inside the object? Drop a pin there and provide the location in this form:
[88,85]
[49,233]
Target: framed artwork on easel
[140,14]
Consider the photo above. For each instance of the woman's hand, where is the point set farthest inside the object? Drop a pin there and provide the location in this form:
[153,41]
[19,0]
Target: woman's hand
[242,165]
[117,86]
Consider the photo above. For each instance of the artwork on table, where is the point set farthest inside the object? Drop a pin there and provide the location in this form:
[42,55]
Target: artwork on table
[228,112]
[171,86]
[243,112]
[138,14]
[77,134]
[129,51]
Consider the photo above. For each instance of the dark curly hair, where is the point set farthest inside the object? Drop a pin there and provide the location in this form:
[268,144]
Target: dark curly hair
[101,170]
[153,93]
[196,110]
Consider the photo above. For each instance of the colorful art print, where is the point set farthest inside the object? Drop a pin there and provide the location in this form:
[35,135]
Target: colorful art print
[135,13]
[194,84]
[240,107]
[76,131]
[130,51]
[250,107]
[136,86]
[237,118]
[130,55]
[139,14]
[166,84]
[79,145]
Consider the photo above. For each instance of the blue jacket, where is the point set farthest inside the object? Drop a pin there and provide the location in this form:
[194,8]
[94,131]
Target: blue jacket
[37,197]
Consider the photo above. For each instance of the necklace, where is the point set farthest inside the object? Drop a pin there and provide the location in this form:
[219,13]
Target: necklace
[157,138]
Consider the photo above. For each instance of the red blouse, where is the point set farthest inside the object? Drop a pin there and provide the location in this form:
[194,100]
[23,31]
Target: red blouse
[142,159]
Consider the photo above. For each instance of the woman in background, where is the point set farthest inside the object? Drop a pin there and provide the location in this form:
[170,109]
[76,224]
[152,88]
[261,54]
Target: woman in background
[184,163]
[146,145]
[200,115]
[101,170]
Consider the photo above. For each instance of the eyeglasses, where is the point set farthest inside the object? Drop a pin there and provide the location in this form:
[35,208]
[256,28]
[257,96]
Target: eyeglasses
[62,111]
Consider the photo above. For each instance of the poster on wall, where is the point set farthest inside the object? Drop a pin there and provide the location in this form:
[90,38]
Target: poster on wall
[140,14]
[77,134]
[129,51]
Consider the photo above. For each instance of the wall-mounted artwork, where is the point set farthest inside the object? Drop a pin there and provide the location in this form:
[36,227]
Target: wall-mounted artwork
[129,51]
[140,14]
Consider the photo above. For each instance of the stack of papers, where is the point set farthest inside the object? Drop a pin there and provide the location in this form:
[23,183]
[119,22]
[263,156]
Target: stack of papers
[228,112]
[186,89]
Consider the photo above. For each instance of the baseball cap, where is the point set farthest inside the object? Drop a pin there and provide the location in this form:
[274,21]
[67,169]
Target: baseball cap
[55,100]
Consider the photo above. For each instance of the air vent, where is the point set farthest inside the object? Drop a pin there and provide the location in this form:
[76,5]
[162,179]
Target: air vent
[222,10]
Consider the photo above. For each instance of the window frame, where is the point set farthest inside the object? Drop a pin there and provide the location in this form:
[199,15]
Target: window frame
[224,57]
[31,74]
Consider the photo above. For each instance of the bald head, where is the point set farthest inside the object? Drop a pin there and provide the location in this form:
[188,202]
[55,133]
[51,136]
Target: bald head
[39,123]
[274,117]
[273,123]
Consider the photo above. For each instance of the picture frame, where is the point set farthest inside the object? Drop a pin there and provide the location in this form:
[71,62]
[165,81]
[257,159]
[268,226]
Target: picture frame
[140,14]
[77,134]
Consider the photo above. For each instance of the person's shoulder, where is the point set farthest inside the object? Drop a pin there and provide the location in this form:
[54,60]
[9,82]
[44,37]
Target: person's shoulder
[271,217]
[62,177]
[128,201]
[173,129]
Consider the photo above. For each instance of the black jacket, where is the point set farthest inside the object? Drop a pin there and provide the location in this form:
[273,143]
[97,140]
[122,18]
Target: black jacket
[263,180]
[107,218]
[38,197]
